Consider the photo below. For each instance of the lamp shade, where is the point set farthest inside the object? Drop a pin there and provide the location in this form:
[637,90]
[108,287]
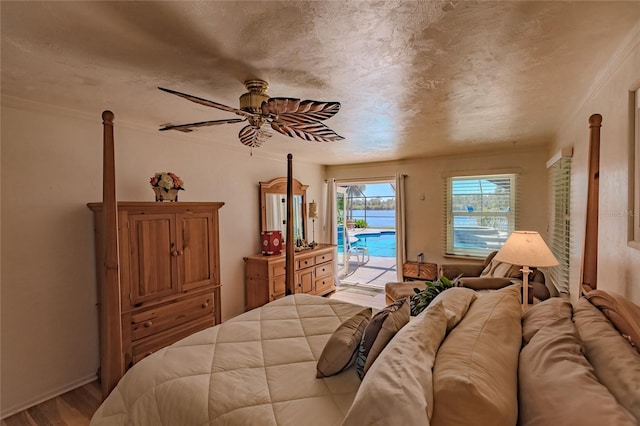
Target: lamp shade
[313,210]
[526,248]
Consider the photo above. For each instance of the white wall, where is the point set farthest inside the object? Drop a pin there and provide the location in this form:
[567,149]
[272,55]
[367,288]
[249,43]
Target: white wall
[618,264]
[51,167]
[425,218]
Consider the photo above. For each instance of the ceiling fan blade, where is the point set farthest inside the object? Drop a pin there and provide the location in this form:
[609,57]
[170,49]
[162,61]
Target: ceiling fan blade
[189,127]
[316,110]
[304,128]
[254,137]
[208,103]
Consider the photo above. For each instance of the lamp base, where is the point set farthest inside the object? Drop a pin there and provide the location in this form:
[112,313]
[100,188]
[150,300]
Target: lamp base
[525,287]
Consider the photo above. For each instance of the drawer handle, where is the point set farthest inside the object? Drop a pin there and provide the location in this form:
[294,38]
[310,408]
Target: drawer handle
[148,324]
[204,305]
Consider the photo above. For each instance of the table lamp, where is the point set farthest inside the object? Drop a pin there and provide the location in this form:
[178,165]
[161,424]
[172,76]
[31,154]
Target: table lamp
[526,248]
[313,214]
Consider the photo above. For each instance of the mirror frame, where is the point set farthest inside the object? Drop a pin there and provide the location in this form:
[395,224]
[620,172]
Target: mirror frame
[279,186]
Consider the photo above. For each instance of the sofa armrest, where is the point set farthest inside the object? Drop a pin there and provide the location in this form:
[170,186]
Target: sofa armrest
[452,270]
[488,283]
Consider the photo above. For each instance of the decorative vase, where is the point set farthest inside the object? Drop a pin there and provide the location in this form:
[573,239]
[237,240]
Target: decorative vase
[165,195]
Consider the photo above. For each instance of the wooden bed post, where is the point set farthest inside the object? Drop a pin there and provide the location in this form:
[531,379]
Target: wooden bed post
[590,257]
[289,258]
[112,367]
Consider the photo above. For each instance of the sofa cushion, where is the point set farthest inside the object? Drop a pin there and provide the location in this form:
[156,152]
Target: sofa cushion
[557,385]
[382,327]
[624,315]
[340,351]
[615,361]
[475,372]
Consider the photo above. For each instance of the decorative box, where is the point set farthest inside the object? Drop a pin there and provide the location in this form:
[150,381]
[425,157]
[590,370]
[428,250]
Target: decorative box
[271,242]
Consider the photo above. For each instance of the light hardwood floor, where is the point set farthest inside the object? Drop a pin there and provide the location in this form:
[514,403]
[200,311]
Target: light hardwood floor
[74,408]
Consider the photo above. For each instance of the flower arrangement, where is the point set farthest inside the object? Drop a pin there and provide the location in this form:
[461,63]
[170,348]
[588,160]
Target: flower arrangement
[166,181]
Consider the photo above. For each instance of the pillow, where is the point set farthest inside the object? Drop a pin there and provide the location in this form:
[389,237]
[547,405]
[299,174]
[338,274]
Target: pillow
[382,327]
[557,385]
[397,389]
[455,302]
[615,361]
[543,314]
[340,350]
[624,315]
[497,269]
[484,283]
[475,372]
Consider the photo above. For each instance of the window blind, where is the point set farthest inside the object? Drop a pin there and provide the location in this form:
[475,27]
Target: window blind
[560,223]
[480,211]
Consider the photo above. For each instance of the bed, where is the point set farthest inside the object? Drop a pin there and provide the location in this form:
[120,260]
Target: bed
[468,359]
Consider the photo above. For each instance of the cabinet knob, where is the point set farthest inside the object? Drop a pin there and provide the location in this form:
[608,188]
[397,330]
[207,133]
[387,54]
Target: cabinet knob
[174,253]
[204,305]
[180,252]
[148,324]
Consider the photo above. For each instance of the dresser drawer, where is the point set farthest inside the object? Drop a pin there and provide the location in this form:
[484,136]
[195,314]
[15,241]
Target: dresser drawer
[324,284]
[145,347]
[325,257]
[324,270]
[305,262]
[152,321]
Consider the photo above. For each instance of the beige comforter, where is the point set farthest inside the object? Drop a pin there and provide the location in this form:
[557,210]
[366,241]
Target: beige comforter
[257,368]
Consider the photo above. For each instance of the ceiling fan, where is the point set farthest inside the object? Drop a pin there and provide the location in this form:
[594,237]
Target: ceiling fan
[289,116]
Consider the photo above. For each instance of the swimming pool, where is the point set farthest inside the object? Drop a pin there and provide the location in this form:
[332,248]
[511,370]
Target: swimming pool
[381,244]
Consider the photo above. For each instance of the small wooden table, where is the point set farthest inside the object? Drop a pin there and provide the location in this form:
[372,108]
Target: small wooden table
[419,271]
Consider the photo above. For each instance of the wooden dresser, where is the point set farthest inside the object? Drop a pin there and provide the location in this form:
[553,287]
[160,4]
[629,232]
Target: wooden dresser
[265,275]
[169,274]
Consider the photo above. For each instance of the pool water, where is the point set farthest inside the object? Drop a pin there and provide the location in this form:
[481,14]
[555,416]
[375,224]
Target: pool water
[380,244]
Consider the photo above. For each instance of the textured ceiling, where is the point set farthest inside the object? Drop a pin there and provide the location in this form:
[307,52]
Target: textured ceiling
[414,78]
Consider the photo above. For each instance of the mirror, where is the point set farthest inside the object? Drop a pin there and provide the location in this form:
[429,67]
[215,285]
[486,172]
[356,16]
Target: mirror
[273,207]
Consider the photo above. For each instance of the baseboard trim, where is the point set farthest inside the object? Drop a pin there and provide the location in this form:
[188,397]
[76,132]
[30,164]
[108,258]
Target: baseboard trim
[47,396]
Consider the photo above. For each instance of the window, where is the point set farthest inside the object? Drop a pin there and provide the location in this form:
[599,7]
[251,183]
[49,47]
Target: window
[560,224]
[481,213]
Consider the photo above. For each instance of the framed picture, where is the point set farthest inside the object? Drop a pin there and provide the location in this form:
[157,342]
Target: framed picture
[634,174]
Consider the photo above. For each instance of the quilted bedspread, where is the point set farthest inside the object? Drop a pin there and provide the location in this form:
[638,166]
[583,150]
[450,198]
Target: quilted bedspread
[258,368]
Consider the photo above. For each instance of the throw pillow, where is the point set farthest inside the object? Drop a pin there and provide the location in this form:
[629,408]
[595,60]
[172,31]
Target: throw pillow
[497,269]
[382,327]
[624,315]
[340,350]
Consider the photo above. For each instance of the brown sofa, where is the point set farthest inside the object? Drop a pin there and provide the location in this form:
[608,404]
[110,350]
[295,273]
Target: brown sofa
[471,277]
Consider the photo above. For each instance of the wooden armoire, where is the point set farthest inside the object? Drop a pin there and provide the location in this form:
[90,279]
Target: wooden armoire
[169,277]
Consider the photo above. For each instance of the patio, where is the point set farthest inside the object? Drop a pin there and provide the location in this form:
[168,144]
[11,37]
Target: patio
[374,272]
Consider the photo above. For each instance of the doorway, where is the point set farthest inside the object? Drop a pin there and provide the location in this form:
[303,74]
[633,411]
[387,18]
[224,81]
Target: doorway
[366,212]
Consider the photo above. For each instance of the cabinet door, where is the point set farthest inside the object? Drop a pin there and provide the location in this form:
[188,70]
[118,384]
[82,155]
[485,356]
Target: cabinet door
[195,250]
[304,281]
[152,256]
